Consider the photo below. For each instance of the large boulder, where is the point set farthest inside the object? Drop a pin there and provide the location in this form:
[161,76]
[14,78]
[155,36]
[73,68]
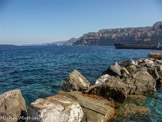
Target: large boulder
[114,89]
[75,82]
[114,70]
[138,83]
[55,109]
[156,55]
[115,92]
[95,109]
[12,105]
[144,82]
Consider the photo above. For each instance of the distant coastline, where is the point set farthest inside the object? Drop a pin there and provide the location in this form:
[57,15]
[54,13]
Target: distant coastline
[7,45]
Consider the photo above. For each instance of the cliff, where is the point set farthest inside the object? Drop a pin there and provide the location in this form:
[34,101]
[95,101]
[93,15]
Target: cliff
[107,37]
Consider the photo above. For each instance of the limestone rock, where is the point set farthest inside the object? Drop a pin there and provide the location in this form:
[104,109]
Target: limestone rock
[116,69]
[149,63]
[127,63]
[131,69]
[95,109]
[12,104]
[156,55]
[55,109]
[113,70]
[124,72]
[144,82]
[114,89]
[159,62]
[75,81]
[102,79]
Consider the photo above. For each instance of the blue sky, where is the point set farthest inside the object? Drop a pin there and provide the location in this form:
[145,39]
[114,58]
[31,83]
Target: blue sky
[42,21]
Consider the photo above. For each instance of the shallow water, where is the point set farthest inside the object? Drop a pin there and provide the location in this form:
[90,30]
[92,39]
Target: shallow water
[40,71]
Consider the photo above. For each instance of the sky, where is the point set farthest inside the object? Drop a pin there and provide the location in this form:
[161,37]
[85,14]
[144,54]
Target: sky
[43,21]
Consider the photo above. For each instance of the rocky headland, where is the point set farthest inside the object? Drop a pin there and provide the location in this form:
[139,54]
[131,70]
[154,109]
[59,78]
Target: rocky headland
[150,35]
[120,92]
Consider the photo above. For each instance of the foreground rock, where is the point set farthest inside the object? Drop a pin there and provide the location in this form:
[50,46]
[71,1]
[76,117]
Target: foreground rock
[75,82]
[143,82]
[95,109]
[12,105]
[55,109]
[116,88]
[156,55]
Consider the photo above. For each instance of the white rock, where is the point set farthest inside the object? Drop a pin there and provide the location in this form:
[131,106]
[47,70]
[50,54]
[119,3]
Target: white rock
[147,61]
[102,79]
[55,109]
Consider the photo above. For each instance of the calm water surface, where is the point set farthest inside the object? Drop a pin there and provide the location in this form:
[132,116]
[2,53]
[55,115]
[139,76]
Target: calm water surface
[40,71]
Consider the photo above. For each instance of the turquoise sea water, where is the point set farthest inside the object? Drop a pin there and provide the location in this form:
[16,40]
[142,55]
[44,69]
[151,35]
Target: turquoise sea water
[40,71]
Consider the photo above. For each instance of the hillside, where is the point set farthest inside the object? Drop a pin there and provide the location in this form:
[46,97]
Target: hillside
[63,43]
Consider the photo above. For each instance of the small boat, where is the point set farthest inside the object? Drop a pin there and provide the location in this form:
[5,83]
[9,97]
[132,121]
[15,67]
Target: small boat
[135,46]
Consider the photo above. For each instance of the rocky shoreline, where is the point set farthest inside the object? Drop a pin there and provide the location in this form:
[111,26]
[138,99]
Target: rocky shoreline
[120,92]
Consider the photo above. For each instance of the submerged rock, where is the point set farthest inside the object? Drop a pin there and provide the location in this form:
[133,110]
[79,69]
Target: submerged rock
[132,111]
[54,109]
[136,99]
[75,82]
[95,109]
[12,104]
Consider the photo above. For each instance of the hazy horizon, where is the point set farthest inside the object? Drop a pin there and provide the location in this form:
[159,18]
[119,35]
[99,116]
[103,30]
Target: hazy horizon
[45,21]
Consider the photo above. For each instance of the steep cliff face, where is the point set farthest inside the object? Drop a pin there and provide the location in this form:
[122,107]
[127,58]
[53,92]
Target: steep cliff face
[107,37]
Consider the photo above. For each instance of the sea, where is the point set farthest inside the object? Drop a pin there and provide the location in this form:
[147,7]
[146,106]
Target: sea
[39,71]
